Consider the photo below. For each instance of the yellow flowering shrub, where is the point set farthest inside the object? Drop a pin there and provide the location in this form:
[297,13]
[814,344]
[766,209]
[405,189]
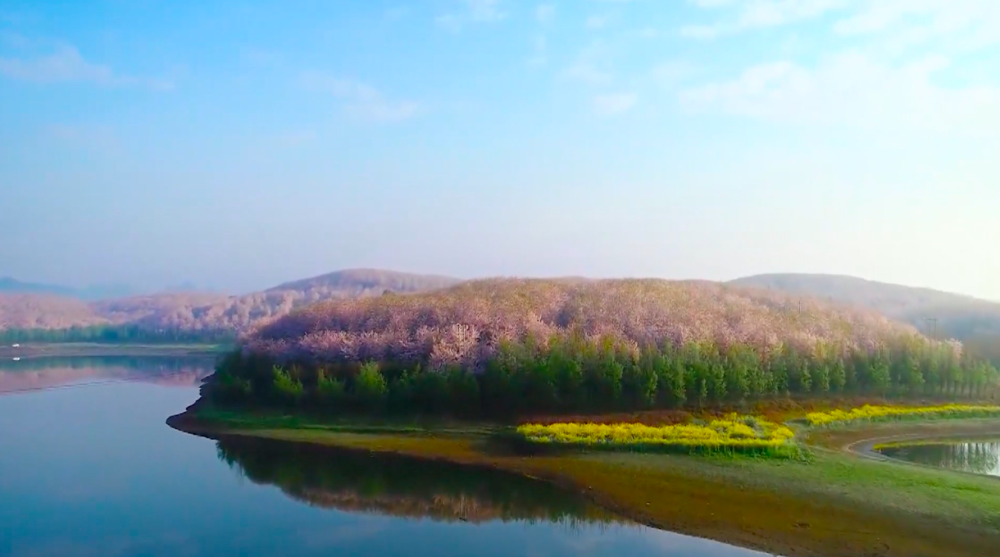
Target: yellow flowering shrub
[732,433]
[871,413]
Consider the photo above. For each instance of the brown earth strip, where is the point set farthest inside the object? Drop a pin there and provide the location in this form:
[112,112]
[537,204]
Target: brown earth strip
[689,496]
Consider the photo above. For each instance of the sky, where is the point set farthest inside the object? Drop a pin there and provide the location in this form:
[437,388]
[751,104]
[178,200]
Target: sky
[239,145]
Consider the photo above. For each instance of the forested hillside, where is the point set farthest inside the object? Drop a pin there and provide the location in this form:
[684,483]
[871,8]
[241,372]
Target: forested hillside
[929,310]
[186,315]
[496,346]
[938,314]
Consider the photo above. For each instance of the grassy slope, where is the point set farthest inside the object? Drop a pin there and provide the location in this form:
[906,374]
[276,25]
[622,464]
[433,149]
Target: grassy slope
[837,504]
[957,315]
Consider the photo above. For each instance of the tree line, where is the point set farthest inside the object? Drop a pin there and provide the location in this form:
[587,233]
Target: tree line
[114,334]
[578,375]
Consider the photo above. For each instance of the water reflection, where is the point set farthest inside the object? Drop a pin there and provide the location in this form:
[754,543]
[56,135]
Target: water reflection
[95,472]
[979,456]
[403,487]
[47,372]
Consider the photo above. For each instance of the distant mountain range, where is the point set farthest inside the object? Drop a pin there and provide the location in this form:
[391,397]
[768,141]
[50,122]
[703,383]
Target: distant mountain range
[932,311]
[46,307]
[10,285]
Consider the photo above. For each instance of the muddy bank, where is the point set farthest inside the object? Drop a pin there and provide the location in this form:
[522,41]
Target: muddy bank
[837,505]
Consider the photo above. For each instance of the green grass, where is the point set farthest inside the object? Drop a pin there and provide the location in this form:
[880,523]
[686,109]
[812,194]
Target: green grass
[259,420]
[954,498]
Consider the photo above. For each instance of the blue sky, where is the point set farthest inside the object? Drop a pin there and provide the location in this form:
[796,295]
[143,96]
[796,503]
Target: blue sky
[238,145]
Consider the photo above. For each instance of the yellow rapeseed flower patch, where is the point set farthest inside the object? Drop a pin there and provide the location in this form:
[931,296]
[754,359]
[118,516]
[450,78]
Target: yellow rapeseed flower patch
[869,413]
[733,433]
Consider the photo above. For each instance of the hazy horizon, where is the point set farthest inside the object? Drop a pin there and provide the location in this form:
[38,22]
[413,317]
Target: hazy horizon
[239,147]
[191,287]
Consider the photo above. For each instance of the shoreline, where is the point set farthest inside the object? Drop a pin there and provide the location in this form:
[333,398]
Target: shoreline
[780,508]
[95,349]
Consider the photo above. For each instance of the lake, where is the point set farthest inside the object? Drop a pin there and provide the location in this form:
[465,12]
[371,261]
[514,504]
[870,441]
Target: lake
[977,456]
[89,468]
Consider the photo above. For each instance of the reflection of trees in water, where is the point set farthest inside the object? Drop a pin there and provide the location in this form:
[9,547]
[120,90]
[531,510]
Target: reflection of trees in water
[40,373]
[397,486]
[981,457]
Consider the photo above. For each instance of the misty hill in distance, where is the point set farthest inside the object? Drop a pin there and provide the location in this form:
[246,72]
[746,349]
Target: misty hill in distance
[9,285]
[366,282]
[194,311]
[931,311]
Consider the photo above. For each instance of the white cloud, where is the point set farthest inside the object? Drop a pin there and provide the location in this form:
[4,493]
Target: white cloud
[670,74]
[485,10]
[84,136]
[967,24]
[874,16]
[540,55]
[545,12]
[588,73]
[614,103]
[66,65]
[757,14]
[852,89]
[701,31]
[260,56]
[974,23]
[473,11]
[596,22]
[450,22]
[904,69]
[360,99]
[647,33]
[397,12]
[292,139]
[591,63]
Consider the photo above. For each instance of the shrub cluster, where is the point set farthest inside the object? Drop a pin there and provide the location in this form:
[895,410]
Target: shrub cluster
[731,434]
[869,413]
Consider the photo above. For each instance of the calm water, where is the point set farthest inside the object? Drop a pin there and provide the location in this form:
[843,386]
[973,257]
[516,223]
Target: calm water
[88,468]
[980,456]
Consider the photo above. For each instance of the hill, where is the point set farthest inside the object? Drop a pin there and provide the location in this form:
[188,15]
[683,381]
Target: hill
[365,282]
[44,311]
[10,285]
[536,346]
[932,311]
[464,324]
[207,312]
